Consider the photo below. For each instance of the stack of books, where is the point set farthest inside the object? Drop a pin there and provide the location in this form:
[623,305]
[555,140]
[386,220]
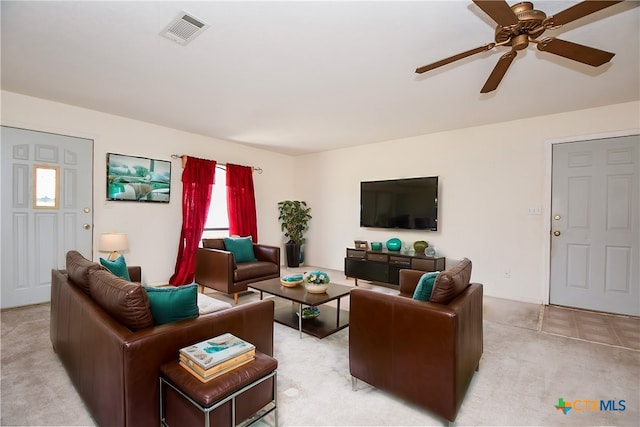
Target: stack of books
[211,358]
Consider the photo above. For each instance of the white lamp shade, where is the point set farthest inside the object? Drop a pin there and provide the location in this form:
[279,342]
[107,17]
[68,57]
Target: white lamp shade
[113,242]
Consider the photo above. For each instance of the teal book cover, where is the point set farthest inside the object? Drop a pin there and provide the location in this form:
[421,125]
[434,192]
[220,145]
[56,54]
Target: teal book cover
[214,351]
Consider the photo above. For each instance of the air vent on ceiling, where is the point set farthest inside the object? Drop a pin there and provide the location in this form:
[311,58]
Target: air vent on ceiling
[184,28]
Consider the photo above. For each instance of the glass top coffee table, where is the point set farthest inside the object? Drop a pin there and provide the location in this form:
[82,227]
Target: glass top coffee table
[289,313]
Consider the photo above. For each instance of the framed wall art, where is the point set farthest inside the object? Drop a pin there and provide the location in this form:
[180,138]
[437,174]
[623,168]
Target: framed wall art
[138,179]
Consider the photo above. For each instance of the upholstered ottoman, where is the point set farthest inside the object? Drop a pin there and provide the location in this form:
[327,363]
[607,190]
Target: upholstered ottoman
[246,393]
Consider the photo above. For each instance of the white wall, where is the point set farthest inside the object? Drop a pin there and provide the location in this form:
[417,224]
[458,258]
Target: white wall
[489,177]
[153,229]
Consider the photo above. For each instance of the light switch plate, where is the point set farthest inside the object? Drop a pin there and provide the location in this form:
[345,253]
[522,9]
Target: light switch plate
[534,210]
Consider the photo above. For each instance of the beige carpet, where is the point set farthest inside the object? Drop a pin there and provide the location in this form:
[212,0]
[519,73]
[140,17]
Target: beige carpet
[513,313]
[523,373]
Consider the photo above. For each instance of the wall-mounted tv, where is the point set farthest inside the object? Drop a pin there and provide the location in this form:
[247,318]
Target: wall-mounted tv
[138,179]
[410,203]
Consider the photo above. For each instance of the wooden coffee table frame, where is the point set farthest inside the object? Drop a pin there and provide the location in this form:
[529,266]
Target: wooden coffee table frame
[288,313]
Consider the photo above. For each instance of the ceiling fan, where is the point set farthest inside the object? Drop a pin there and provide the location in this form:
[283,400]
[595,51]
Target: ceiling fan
[521,24]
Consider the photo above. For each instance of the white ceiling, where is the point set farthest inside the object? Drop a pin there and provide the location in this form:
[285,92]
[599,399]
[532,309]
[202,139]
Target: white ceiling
[301,77]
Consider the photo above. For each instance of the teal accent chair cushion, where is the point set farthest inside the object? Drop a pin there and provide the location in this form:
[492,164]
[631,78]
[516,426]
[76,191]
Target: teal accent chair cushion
[170,304]
[425,286]
[241,248]
[118,267]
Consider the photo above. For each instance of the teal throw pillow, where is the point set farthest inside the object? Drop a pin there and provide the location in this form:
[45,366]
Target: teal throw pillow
[241,247]
[425,286]
[170,304]
[118,267]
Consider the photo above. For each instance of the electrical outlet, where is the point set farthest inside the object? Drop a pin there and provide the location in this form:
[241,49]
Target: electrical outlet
[507,274]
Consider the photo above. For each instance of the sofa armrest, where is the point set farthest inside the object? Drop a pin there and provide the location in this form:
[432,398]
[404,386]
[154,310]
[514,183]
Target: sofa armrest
[135,273]
[89,344]
[409,281]
[267,253]
[146,350]
[214,268]
[252,322]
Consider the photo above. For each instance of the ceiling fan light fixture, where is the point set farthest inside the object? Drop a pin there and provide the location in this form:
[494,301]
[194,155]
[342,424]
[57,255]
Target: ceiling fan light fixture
[521,24]
[529,22]
[520,42]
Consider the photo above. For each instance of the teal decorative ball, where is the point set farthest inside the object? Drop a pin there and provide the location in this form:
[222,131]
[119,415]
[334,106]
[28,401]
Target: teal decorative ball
[394,244]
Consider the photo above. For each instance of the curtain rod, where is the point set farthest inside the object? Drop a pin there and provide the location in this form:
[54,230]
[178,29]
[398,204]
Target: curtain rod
[184,156]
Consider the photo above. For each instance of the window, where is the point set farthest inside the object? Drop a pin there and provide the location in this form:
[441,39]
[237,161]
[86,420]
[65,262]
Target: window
[218,218]
[46,180]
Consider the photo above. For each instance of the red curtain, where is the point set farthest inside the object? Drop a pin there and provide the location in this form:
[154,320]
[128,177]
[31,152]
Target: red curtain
[241,202]
[198,178]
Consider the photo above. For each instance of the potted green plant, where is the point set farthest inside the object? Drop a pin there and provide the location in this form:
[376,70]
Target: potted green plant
[294,221]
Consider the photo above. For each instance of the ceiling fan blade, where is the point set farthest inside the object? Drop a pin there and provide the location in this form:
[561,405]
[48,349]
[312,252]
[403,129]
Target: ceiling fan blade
[576,12]
[499,11]
[454,58]
[499,71]
[577,52]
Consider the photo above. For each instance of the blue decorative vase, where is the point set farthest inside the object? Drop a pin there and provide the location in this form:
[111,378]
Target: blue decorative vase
[394,244]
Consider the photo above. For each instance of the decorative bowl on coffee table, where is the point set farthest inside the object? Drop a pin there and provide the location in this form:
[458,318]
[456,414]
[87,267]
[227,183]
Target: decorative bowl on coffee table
[291,281]
[316,282]
[309,312]
[313,288]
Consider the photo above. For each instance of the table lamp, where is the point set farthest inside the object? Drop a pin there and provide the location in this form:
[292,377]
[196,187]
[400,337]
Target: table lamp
[113,242]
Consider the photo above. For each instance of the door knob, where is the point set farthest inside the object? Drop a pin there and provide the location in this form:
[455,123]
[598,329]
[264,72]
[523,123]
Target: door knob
[86,226]
[556,233]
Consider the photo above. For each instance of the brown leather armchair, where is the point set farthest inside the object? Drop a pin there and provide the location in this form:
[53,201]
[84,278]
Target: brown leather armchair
[424,352]
[217,269]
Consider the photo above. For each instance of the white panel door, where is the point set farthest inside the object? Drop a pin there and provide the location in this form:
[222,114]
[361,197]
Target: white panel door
[595,242]
[46,210]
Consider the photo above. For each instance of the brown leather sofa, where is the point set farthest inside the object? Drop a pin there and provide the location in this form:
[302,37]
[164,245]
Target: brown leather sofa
[114,368]
[216,268]
[422,351]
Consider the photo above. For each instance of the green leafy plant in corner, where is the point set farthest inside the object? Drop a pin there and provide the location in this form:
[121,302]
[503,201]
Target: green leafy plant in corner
[294,219]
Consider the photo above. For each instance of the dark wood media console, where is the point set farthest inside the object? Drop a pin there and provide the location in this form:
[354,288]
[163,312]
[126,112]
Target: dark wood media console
[384,265]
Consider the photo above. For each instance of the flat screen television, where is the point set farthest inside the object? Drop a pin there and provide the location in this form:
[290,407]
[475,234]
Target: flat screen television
[138,179]
[410,203]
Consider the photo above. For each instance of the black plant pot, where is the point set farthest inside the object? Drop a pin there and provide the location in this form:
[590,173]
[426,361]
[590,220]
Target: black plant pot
[293,254]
